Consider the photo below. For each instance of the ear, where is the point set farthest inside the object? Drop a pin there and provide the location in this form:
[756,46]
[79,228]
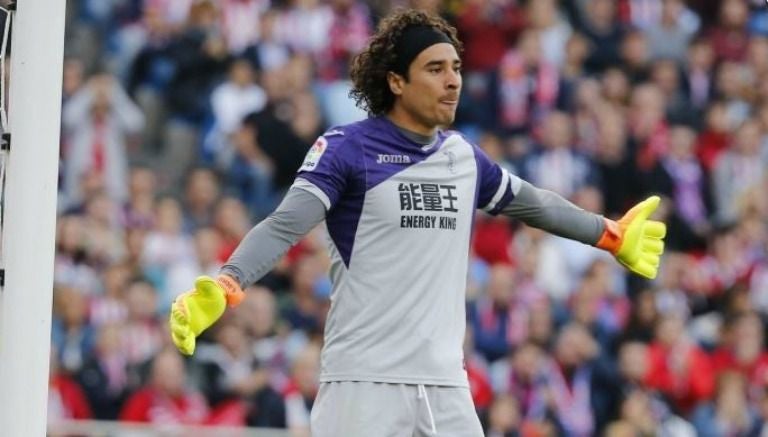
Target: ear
[396,83]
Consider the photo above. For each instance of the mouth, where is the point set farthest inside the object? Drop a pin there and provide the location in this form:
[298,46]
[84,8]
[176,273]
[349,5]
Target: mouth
[451,103]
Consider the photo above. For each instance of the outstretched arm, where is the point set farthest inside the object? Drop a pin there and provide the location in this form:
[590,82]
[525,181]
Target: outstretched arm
[299,212]
[196,310]
[636,242]
[549,211]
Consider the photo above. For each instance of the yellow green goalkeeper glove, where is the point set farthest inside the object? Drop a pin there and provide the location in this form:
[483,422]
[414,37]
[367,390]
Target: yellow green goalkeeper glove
[196,310]
[636,242]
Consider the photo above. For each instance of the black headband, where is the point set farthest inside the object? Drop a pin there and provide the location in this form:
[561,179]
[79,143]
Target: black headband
[414,40]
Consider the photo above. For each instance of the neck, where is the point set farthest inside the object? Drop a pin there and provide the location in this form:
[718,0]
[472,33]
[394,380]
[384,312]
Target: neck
[402,119]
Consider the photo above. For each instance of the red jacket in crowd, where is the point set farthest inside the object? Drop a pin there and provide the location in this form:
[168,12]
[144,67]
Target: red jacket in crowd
[693,380]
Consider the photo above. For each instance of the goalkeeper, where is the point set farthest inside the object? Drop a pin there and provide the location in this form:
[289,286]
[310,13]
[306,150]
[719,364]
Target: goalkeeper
[398,195]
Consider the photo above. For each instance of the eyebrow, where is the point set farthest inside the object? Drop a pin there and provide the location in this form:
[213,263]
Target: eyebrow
[438,62]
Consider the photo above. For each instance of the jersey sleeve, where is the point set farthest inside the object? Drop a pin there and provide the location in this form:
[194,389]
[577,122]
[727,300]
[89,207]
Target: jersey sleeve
[496,187]
[327,167]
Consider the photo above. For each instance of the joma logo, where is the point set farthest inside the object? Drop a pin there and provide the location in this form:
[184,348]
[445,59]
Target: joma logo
[393,159]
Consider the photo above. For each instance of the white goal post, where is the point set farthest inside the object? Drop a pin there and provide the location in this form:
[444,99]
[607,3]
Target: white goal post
[37,47]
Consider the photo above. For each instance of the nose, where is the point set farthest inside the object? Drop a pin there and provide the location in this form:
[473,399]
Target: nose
[453,80]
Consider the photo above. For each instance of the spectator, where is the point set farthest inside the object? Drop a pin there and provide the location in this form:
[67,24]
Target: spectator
[635,56]
[679,368]
[604,32]
[240,22]
[348,32]
[567,171]
[167,244]
[487,28]
[504,417]
[313,17]
[233,378]
[643,317]
[138,210]
[597,306]
[105,376]
[307,122]
[729,38]
[109,306]
[729,412]
[669,38]
[714,137]
[757,56]
[522,375]
[142,335]
[274,345]
[73,337]
[279,142]
[73,78]
[528,85]
[742,352]
[733,85]
[613,384]
[569,381]
[698,75]
[200,56]
[72,263]
[648,127]
[541,326]
[149,73]
[164,400]
[301,393]
[666,75]
[305,310]
[66,399]
[615,87]
[588,104]
[552,29]
[207,243]
[231,221]
[576,51]
[618,175]
[250,175]
[98,122]
[102,219]
[272,52]
[490,315]
[682,179]
[737,171]
[638,409]
[200,195]
[231,102]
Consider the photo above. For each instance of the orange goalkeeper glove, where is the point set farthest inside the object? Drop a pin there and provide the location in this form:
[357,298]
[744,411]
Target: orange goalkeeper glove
[636,242]
[196,310]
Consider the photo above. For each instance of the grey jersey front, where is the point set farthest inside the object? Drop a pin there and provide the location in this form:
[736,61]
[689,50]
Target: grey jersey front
[399,219]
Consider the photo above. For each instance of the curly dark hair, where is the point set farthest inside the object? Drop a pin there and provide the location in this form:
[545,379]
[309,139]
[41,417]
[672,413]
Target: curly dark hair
[369,69]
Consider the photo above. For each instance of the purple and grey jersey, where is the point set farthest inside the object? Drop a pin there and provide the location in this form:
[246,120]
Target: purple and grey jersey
[399,219]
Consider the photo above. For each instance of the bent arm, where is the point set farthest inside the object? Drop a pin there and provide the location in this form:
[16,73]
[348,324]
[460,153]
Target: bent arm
[298,213]
[549,211]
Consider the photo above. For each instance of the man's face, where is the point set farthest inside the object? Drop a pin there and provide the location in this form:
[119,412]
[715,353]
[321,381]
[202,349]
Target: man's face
[431,93]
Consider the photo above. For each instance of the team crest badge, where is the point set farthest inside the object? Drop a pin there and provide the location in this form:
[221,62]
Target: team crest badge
[314,154]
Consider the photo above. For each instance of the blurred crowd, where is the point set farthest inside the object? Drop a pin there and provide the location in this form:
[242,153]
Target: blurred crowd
[184,121]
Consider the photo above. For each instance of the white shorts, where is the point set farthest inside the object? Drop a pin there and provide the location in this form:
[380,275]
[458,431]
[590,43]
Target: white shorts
[375,409]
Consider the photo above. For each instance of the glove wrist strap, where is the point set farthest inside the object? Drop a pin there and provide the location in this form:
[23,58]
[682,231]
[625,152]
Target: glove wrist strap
[611,238]
[232,291]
